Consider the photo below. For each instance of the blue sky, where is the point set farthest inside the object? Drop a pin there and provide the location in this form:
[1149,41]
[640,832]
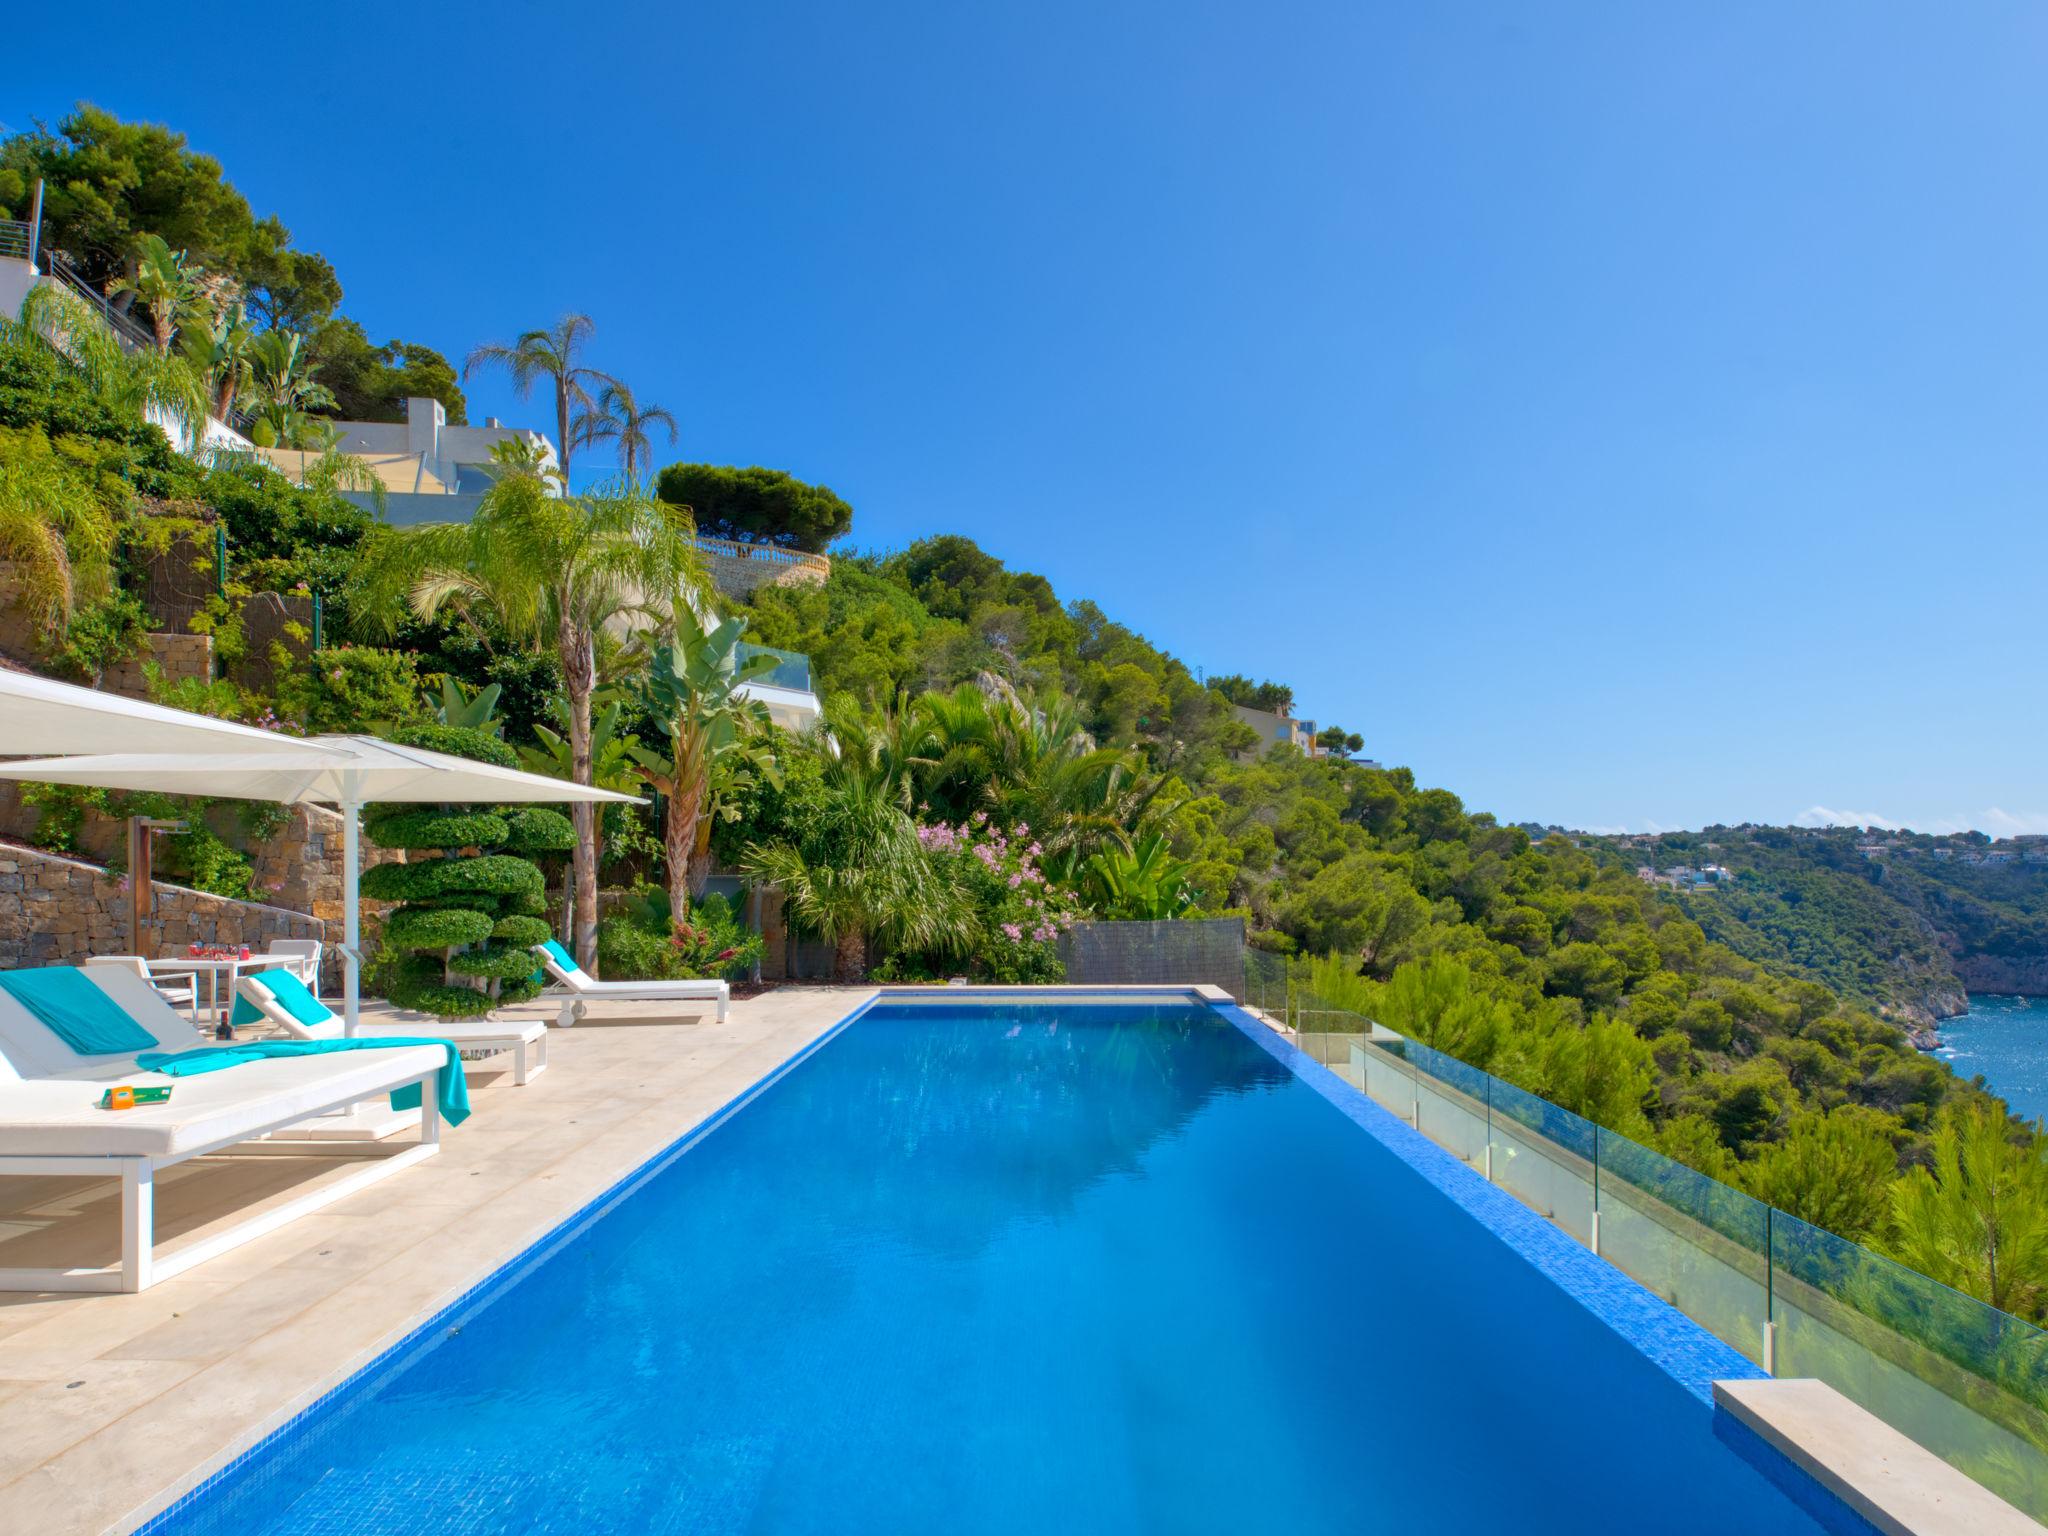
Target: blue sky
[1628,416]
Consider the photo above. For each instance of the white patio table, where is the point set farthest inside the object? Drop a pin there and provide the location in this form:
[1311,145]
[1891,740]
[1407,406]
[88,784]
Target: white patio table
[220,993]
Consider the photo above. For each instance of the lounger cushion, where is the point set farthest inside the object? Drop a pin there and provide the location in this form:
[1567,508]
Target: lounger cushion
[61,1118]
[289,993]
[86,1019]
[561,957]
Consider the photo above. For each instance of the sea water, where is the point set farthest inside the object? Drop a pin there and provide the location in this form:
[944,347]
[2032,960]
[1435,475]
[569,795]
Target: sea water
[2005,1041]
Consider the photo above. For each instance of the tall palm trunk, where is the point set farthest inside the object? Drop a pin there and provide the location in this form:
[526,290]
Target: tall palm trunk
[679,842]
[850,955]
[579,680]
[562,427]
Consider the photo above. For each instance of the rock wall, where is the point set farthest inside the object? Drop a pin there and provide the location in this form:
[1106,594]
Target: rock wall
[2023,975]
[56,911]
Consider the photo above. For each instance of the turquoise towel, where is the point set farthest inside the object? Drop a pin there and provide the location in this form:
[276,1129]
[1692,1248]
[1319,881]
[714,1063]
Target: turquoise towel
[561,957]
[76,1011]
[292,997]
[450,1091]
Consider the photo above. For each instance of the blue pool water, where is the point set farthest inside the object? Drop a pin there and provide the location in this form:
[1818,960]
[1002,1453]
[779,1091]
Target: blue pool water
[1018,1268]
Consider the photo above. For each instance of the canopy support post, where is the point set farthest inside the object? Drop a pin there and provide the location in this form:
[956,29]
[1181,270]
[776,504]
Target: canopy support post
[351,920]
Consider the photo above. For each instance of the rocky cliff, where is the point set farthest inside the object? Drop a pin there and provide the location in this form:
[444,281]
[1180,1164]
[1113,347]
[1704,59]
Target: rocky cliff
[2022,975]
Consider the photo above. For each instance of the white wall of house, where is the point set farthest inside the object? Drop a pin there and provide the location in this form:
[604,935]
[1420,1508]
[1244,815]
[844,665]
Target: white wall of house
[16,278]
[443,450]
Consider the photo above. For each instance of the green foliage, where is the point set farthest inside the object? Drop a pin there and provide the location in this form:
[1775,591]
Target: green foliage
[537,829]
[421,984]
[523,931]
[755,505]
[1270,697]
[1834,1170]
[112,629]
[494,962]
[108,183]
[1145,883]
[436,927]
[640,941]
[352,688]
[1977,1220]
[457,741]
[433,828]
[372,383]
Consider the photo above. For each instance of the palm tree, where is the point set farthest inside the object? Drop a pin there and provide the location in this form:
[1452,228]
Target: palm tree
[717,739]
[554,572]
[611,767]
[552,355]
[859,872]
[164,283]
[620,418]
[220,353]
[158,386]
[285,393]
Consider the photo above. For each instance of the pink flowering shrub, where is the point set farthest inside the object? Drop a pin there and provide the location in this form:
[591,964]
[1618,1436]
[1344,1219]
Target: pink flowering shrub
[1017,913]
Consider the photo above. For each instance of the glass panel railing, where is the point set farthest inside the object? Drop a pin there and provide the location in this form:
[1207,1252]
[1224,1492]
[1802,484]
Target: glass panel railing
[1692,1240]
[790,670]
[1963,1379]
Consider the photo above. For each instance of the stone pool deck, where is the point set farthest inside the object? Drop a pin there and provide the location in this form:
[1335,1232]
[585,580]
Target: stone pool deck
[113,1406]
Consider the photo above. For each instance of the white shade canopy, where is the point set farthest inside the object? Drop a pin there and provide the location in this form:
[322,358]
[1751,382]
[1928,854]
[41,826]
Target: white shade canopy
[329,770]
[347,771]
[42,716]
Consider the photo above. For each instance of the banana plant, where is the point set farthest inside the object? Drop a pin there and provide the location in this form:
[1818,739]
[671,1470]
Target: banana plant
[718,739]
[1147,883]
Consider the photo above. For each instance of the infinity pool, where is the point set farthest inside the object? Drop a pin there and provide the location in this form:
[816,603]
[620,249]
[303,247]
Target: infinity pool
[1007,1267]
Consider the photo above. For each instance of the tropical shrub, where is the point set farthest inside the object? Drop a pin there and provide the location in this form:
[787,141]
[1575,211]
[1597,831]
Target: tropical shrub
[640,941]
[1016,914]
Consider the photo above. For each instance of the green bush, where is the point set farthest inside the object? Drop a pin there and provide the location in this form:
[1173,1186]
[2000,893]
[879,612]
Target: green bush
[521,930]
[455,740]
[436,927]
[420,985]
[402,882]
[536,829]
[435,828]
[639,943]
[502,962]
[351,688]
[496,874]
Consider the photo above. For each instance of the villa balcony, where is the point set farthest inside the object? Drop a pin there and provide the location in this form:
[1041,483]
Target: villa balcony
[786,690]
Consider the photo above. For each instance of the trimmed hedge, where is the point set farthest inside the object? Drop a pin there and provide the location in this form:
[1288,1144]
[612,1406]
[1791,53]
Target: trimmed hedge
[500,962]
[496,874]
[442,829]
[457,741]
[436,927]
[536,829]
[522,930]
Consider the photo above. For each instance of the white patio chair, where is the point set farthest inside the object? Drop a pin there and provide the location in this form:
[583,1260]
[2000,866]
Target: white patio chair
[51,1125]
[179,989]
[477,1039]
[581,987]
[301,957]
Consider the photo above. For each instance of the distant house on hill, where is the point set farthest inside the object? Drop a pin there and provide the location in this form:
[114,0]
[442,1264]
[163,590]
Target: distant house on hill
[1278,725]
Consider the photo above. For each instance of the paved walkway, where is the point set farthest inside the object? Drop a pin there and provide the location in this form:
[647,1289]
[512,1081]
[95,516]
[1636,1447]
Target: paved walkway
[112,1406]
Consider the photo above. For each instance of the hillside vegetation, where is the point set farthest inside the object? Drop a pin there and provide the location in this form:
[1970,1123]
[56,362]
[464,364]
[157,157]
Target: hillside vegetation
[1906,928]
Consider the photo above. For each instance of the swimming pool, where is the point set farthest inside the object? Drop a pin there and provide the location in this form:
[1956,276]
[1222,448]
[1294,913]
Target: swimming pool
[1019,1266]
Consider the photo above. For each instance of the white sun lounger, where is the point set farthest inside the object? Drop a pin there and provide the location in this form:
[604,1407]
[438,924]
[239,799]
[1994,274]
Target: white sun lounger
[51,1125]
[527,1040]
[580,987]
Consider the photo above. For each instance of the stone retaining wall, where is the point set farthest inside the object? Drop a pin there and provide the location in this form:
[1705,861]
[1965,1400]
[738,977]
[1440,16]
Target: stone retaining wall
[57,911]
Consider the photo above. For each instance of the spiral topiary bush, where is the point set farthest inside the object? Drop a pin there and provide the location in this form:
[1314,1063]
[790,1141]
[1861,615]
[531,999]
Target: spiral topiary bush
[460,942]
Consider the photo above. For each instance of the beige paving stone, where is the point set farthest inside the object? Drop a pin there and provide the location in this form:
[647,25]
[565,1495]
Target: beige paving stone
[186,1375]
